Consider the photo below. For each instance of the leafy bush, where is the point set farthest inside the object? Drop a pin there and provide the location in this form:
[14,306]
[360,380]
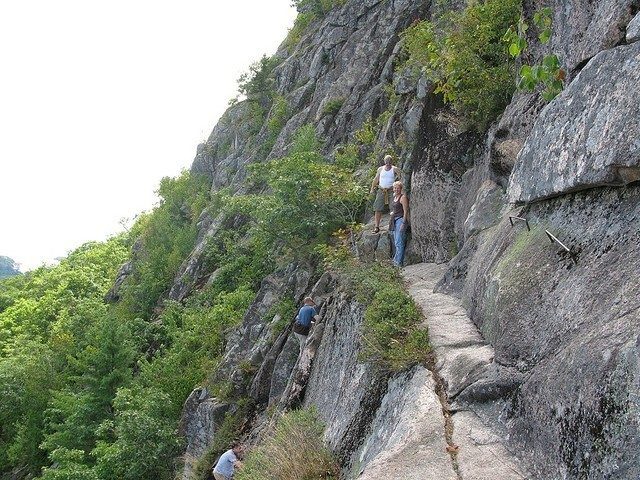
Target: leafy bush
[464,55]
[141,441]
[307,198]
[286,310]
[392,336]
[308,11]
[318,7]
[332,107]
[167,235]
[257,86]
[549,73]
[292,451]
[300,25]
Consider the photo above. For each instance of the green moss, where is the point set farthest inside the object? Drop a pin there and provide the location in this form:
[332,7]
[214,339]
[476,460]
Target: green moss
[332,106]
[519,249]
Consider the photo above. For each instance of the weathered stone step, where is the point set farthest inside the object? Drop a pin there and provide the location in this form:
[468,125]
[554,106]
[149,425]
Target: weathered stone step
[462,358]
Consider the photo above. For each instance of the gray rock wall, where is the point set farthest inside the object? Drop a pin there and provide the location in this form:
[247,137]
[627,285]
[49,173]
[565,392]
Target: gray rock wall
[589,135]
[345,391]
[571,329]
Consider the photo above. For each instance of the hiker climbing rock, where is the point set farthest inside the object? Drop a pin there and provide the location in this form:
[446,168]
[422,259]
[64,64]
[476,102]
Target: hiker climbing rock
[382,186]
[399,221]
[304,319]
[228,462]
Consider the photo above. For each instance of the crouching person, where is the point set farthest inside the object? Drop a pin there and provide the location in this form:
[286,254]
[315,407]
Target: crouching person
[228,462]
[304,319]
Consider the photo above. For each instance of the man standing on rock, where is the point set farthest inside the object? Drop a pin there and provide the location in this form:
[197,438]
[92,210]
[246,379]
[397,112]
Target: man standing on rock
[228,462]
[383,182]
[304,318]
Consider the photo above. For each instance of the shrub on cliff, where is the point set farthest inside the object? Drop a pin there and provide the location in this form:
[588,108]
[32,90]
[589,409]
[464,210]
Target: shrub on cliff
[308,11]
[167,235]
[292,451]
[306,198]
[392,336]
[464,55]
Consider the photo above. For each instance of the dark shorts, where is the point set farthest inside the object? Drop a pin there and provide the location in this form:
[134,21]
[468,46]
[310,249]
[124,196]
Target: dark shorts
[379,202]
[301,329]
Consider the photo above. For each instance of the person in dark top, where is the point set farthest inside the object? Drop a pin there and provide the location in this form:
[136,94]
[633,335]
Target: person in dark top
[399,222]
[305,317]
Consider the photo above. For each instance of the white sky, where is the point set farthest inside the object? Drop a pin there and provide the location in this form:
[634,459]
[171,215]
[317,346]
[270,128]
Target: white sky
[101,99]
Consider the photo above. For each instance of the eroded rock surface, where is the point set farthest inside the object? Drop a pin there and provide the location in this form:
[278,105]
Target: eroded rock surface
[465,361]
[201,417]
[589,135]
[407,437]
[570,328]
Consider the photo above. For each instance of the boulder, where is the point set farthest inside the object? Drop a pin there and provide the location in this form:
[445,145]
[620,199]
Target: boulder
[588,136]
[633,29]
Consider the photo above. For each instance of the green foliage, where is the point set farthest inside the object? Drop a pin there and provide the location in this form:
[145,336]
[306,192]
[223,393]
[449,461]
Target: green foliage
[167,236]
[318,7]
[463,54]
[141,441]
[332,107]
[549,74]
[366,135]
[47,317]
[68,466]
[392,336]
[300,25]
[195,341]
[257,86]
[348,156]
[87,400]
[25,380]
[285,309]
[278,116]
[257,83]
[308,11]
[292,451]
[308,198]
[53,300]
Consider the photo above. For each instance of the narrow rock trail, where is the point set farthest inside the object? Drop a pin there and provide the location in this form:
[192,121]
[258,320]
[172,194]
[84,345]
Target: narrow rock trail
[462,357]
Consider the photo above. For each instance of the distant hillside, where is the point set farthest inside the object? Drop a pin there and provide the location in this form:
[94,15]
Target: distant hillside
[8,268]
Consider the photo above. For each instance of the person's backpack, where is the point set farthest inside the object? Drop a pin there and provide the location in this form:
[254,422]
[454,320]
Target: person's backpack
[301,329]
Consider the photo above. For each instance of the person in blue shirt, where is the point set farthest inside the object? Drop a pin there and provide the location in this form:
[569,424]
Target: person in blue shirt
[304,319]
[228,462]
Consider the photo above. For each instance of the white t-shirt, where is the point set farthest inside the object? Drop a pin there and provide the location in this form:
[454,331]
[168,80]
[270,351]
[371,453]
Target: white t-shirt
[387,177]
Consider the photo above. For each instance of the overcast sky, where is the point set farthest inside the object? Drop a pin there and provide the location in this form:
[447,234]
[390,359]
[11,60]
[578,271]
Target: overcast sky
[100,100]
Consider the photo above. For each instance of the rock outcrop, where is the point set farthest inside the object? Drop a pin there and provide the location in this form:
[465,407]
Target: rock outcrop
[589,136]
[537,353]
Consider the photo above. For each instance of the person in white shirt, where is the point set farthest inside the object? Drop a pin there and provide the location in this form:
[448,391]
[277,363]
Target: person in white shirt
[228,463]
[382,186]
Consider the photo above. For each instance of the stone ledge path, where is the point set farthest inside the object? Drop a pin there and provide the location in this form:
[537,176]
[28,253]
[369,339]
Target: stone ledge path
[462,358]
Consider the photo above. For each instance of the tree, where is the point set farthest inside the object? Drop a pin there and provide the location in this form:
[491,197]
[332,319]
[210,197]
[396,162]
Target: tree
[100,369]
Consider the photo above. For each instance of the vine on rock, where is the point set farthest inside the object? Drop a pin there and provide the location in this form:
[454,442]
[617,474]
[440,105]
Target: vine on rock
[549,72]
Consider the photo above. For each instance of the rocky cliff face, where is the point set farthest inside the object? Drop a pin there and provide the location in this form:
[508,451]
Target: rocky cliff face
[537,363]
